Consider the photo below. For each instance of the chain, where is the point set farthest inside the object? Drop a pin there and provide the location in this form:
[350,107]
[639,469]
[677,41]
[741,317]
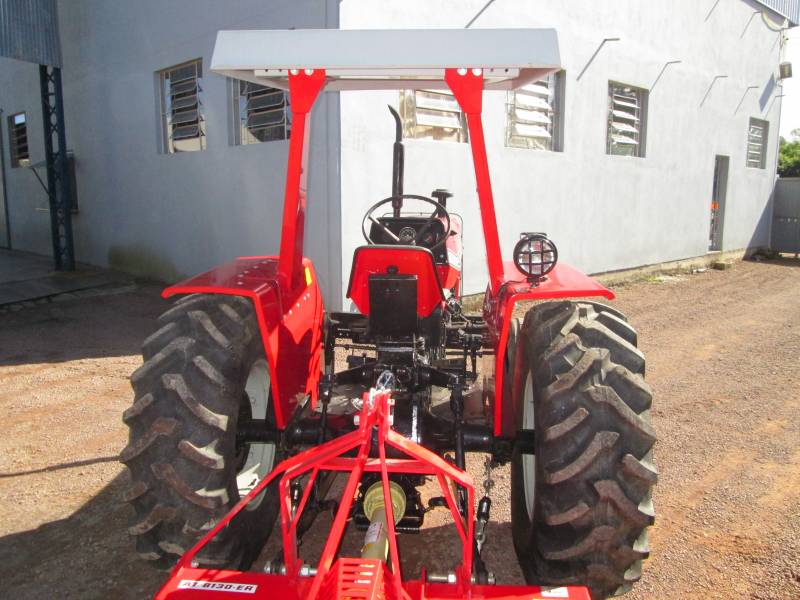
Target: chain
[484,505]
[488,482]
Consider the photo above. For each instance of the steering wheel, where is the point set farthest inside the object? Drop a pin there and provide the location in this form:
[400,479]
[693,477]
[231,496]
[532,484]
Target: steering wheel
[407,236]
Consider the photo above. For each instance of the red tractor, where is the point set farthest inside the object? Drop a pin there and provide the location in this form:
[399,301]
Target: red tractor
[253,397]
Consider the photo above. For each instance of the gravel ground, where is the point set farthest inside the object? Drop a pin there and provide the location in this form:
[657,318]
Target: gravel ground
[722,349]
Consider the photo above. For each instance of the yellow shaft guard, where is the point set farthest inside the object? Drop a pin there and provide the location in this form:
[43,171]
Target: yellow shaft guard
[373,500]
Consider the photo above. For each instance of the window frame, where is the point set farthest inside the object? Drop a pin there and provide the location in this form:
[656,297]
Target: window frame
[18,161]
[409,117]
[241,134]
[641,115]
[166,112]
[556,87]
[764,141]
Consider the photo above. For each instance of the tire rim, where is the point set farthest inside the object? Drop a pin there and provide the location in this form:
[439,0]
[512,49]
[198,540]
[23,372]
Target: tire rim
[260,457]
[528,460]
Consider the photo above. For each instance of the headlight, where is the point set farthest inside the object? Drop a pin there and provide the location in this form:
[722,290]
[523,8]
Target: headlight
[535,255]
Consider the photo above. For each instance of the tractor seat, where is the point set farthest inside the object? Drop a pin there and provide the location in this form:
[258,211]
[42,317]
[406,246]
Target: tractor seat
[390,274]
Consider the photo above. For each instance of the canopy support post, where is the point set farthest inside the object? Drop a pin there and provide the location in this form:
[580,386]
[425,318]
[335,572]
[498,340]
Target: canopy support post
[304,87]
[467,87]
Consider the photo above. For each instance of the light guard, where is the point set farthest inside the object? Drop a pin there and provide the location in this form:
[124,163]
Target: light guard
[535,255]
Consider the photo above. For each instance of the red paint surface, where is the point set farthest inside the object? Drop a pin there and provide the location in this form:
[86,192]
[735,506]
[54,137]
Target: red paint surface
[281,587]
[303,91]
[468,90]
[290,322]
[409,260]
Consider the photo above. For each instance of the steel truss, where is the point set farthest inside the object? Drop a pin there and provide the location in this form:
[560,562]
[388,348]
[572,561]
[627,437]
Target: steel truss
[55,147]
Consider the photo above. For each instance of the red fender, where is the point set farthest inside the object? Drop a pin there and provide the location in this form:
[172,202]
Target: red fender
[563,281]
[290,322]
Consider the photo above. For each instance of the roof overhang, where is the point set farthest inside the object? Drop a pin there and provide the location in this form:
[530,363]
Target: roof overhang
[29,31]
[376,59]
[789,9]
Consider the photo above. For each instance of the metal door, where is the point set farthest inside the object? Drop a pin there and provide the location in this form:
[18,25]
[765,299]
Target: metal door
[5,226]
[786,216]
[718,194]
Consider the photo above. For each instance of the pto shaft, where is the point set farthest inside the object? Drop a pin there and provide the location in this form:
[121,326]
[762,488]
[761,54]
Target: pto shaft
[376,542]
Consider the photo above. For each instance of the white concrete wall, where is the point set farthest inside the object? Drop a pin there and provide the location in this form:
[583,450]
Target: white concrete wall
[604,212]
[171,215]
[174,215]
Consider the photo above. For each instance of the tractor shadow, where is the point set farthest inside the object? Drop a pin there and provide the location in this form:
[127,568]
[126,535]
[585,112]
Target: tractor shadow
[60,467]
[101,326]
[436,548]
[86,555]
[90,555]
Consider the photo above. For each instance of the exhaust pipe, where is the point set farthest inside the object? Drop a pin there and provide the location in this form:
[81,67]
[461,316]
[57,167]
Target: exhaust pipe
[376,542]
[398,159]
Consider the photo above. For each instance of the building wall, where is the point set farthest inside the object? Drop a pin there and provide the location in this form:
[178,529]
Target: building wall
[173,215]
[27,201]
[604,212]
[161,215]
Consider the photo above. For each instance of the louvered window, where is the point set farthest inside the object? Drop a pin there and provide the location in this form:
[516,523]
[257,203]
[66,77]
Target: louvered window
[757,144]
[182,121]
[432,114]
[627,120]
[533,119]
[263,113]
[18,140]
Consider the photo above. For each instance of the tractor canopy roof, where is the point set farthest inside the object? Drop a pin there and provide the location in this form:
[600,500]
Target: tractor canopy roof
[379,59]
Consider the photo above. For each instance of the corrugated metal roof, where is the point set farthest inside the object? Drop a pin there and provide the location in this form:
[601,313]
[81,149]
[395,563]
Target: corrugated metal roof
[788,8]
[29,31]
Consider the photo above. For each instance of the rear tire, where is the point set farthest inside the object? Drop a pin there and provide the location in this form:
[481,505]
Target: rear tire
[580,506]
[203,370]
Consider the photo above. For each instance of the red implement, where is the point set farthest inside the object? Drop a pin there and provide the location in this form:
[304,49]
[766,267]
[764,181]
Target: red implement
[342,577]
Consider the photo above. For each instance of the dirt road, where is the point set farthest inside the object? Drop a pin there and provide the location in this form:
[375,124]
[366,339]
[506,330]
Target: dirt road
[723,353]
